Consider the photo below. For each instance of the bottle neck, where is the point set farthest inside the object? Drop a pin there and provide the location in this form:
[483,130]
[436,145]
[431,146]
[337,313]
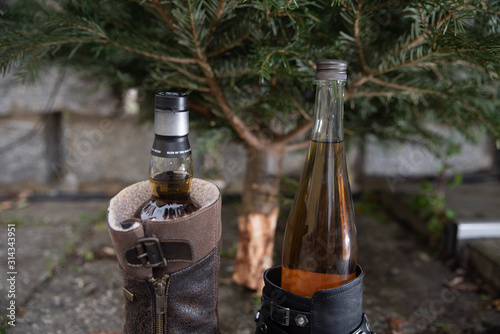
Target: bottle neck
[328,124]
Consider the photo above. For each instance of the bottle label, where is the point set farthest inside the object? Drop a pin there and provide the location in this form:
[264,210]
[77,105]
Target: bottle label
[171,147]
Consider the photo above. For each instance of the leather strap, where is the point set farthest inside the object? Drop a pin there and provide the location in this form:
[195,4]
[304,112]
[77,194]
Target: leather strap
[288,317]
[262,326]
[152,252]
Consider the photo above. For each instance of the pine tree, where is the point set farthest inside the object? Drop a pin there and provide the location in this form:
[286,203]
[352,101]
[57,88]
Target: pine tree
[248,66]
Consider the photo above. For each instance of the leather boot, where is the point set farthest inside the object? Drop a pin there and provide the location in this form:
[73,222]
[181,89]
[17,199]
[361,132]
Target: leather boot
[330,311]
[171,268]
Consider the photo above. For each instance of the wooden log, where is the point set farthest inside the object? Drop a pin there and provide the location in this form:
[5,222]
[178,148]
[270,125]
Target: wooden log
[258,216]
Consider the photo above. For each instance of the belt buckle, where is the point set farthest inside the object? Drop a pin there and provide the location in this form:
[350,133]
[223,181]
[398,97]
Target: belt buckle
[143,253]
[286,310]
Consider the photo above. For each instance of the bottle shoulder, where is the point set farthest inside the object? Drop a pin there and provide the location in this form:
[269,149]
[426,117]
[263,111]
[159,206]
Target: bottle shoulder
[163,209]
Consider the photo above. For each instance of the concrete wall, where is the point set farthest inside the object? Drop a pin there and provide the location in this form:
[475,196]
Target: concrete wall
[90,147]
[87,136]
[74,92]
[396,162]
[22,151]
[64,125]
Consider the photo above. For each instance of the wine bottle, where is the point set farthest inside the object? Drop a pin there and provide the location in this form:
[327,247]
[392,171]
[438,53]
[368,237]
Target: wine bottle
[171,166]
[319,248]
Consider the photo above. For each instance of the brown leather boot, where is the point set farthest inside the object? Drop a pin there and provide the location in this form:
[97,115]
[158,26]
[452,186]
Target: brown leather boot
[170,269]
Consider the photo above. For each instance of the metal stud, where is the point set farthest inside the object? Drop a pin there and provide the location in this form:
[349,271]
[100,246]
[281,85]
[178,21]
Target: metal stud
[301,320]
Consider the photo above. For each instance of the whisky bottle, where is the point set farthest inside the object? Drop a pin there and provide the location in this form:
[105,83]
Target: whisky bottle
[319,248]
[171,166]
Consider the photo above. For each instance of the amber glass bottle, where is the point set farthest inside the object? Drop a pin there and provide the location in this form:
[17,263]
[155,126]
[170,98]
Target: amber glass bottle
[171,167]
[319,250]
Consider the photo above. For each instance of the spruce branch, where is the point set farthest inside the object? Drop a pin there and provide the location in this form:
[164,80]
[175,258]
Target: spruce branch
[483,8]
[232,52]
[301,110]
[415,62]
[199,53]
[357,38]
[215,90]
[236,73]
[402,88]
[487,124]
[178,84]
[267,59]
[451,17]
[250,31]
[297,132]
[373,94]
[163,14]
[423,36]
[215,21]
[164,59]
[186,73]
[383,5]
[239,126]
[103,39]
[238,41]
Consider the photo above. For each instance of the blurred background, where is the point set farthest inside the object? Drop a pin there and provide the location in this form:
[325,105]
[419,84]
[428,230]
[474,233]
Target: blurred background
[422,133]
[63,135]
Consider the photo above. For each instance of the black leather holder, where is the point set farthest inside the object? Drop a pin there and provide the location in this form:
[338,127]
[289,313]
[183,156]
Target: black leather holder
[330,311]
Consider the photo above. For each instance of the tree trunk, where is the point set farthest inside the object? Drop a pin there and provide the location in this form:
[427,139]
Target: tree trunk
[258,216]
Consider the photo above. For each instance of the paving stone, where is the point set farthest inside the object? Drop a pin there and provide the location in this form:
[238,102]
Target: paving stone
[79,299]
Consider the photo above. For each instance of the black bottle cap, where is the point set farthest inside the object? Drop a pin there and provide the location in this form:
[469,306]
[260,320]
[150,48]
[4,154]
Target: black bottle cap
[171,101]
[331,69]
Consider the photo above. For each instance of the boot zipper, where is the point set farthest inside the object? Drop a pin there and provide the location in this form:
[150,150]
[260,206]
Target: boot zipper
[159,287]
